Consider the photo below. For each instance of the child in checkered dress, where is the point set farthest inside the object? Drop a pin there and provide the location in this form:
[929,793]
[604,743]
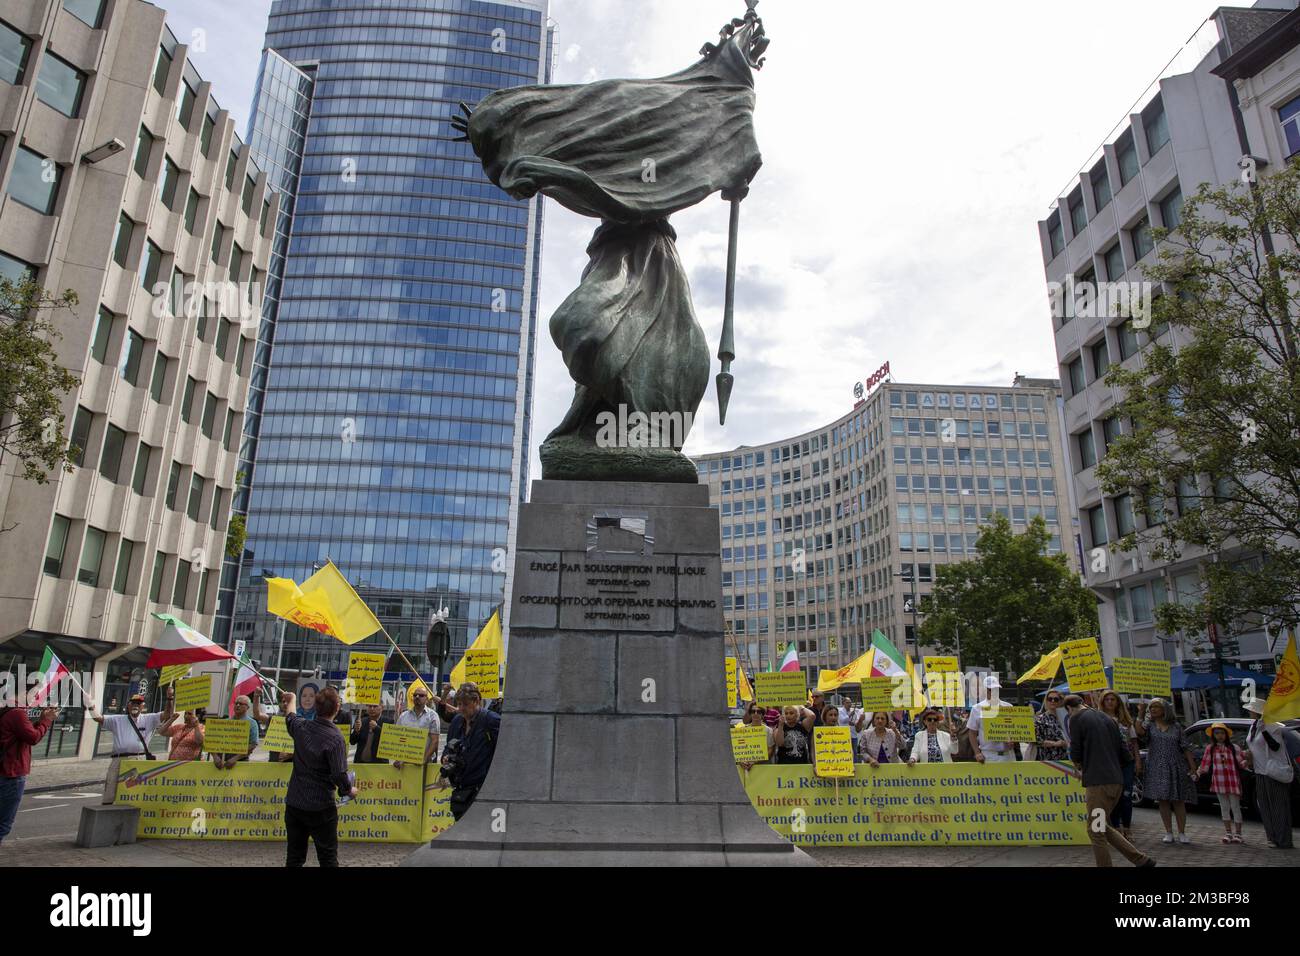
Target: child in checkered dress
[1221,760]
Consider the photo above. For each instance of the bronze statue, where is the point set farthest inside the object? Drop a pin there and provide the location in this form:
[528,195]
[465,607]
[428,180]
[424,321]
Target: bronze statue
[631,153]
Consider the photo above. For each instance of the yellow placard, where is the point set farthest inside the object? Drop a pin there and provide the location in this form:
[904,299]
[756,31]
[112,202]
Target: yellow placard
[483,667]
[277,736]
[935,804]
[173,672]
[1138,675]
[1084,668]
[1009,724]
[193,693]
[731,683]
[781,689]
[878,693]
[402,743]
[832,752]
[222,735]
[365,681]
[748,743]
[944,686]
[193,800]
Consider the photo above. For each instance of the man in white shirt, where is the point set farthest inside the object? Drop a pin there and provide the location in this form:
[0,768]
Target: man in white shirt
[131,732]
[849,717]
[421,715]
[985,750]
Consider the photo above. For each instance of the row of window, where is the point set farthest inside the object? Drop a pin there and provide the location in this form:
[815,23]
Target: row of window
[956,543]
[950,429]
[996,457]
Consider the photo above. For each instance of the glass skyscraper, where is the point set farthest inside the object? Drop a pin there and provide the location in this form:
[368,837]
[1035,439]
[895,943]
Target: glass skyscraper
[391,435]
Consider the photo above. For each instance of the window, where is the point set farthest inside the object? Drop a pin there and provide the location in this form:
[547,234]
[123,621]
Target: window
[1140,235]
[173,485]
[1055,235]
[209,414]
[57,544]
[155,579]
[1100,185]
[1114,259]
[218,237]
[1127,157]
[1078,215]
[1075,370]
[230,170]
[185,109]
[89,12]
[1128,340]
[60,85]
[122,242]
[142,456]
[228,432]
[223,337]
[150,266]
[159,377]
[123,573]
[195,502]
[132,352]
[1124,522]
[1156,126]
[160,71]
[1140,601]
[188,400]
[214,519]
[266,214]
[182,583]
[35,180]
[236,261]
[1100,359]
[1171,210]
[143,150]
[171,176]
[1087,450]
[1097,525]
[14,49]
[205,135]
[1110,430]
[191,211]
[92,556]
[246,198]
[80,437]
[110,459]
[1189,494]
[99,338]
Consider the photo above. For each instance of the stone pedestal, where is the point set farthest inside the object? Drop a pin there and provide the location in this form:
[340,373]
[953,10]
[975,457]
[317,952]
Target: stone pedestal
[615,747]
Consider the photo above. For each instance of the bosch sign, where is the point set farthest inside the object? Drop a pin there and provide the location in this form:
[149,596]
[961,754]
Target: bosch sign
[878,376]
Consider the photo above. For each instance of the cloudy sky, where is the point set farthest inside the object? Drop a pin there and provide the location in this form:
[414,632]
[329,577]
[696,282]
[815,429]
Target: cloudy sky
[909,150]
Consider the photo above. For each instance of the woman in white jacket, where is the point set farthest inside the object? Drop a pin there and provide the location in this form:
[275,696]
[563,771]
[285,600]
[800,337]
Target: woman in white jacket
[932,745]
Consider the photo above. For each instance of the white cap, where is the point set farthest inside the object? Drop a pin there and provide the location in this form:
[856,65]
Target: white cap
[991,682]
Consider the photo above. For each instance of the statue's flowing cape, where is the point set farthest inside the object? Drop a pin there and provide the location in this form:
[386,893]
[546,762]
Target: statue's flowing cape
[625,150]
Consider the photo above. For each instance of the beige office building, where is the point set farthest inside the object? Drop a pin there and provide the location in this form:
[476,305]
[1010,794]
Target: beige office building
[829,535]
[123,180]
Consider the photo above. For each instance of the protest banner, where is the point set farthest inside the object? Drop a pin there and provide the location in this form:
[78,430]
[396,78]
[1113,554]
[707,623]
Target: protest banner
[731,682]
[437,804]
[1009,724]
[173,672]
[1084,669]
[832,752]
[406,744]
[277,736]
[226,735]
[944,686]
[936,804]
[781,689]
[365,681]
[483,667]
[193,800]
[749,743]
[1146,678]
[878,693]
[193,693]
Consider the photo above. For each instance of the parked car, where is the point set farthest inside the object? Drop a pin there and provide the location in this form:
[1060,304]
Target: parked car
[1197,742]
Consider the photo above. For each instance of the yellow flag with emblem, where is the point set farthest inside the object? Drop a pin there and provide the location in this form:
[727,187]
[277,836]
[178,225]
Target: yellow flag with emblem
[1283,700]
[325,602]
[853,672]
[1046,668]
[487,638]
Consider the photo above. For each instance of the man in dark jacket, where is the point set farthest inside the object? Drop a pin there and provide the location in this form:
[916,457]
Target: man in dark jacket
[367,732]
[1098,752]
[320,767]
[470,745]
[17,737]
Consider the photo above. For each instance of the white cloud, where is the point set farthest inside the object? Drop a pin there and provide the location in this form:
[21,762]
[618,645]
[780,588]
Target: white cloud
[572,53]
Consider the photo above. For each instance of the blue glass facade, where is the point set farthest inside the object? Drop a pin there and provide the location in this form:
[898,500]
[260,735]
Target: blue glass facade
[392,437]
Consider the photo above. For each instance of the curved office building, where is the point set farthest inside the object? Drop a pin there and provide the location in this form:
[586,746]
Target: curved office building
[393,434]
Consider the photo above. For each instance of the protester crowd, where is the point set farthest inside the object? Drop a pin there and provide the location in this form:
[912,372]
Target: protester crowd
[1099,733]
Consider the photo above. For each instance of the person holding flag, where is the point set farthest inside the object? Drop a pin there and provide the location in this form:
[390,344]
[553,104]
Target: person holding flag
[1267,752]
[17,737]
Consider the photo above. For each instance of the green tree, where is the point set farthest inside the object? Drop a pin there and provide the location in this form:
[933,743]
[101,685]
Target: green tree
[1004,608]
[236,535]
[32,383]
[1212,456]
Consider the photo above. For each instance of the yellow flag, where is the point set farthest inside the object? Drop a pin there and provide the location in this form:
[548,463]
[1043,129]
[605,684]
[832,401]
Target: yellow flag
[746,692]
[325,602]
[853,672]
[1284,699]
[1045,669]
[490,636]
[918,696]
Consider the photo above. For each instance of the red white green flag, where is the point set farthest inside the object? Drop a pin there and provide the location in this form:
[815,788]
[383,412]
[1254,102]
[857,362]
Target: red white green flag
[52,671]
[790,662]
[888,662]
